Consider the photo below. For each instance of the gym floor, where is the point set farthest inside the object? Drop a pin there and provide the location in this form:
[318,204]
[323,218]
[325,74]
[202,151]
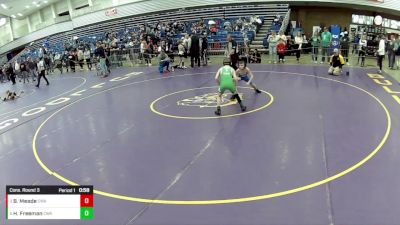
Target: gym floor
[310,149]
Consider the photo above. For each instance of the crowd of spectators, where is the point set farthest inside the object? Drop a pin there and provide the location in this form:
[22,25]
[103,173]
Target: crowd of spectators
[144,41]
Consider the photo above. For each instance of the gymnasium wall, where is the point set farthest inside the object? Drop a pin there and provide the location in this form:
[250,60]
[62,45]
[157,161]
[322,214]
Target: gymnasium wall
[310,16]
[307,12]
[5,33]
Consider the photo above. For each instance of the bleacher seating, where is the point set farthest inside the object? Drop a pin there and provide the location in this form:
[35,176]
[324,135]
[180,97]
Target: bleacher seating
[231,13]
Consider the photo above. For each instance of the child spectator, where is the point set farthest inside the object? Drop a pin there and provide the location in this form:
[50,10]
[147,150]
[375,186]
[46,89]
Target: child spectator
[281,48]
[256,57]
[337,62]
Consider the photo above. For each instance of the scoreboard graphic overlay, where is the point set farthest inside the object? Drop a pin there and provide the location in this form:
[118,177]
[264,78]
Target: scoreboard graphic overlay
[49,202]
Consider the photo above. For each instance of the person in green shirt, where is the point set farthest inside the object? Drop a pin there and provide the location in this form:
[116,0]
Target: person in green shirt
[326,40]
[227,80]
[315,42]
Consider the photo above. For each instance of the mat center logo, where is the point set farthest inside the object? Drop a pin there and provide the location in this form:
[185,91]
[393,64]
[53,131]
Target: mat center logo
[208,100]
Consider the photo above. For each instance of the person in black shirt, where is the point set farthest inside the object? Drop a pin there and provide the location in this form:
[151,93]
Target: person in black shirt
[24,71]
[256,57]
[2,76]
[47,64]
[10,73]
[107,51]
[336,62]
[233,51]
[204,48]
[31,66]
[72,59]
[101,54]
[344,43]
[194,50]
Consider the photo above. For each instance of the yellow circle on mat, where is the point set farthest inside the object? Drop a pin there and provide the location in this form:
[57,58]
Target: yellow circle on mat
[231,200]
[153,108]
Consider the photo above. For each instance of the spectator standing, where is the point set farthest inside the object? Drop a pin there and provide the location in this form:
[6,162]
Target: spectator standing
[381,52]
[149,53]
[80,57]
[17,68]
[24,71]
[2,75]
[356,42]
[32,68]
[194,50]
[87,58]
[362,49]
[100,53]
[272,41]
[72,60]
[281,49]
[46,60]
[233,51]
[41,72]
[10,73]
[326,40]
[345,46]
[186,41]
[204,49]
[181,54]
[143,48]
[298,41]
[315,42]
[397,51]
[391,51]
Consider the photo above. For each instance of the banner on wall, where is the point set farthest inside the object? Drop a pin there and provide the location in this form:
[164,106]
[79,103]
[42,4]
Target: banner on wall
[335,31]
[111,12]
[316,29]
[293,24]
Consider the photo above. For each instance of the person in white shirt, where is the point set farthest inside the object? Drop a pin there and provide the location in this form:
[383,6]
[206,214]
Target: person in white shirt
[17,68]
[57,56]
[58,62]
[298,41]
[362,49]
[80,58]
[381,52]
[144,53]
[272,42]
[181,54]
[86,56]
[41,72]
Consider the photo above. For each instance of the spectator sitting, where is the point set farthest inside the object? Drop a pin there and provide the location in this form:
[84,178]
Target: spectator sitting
[227,25]
[164,61]
[289,46]
[255,57]
[253,19]
[239,24]
[256,21]
[213,29]
[337,62]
